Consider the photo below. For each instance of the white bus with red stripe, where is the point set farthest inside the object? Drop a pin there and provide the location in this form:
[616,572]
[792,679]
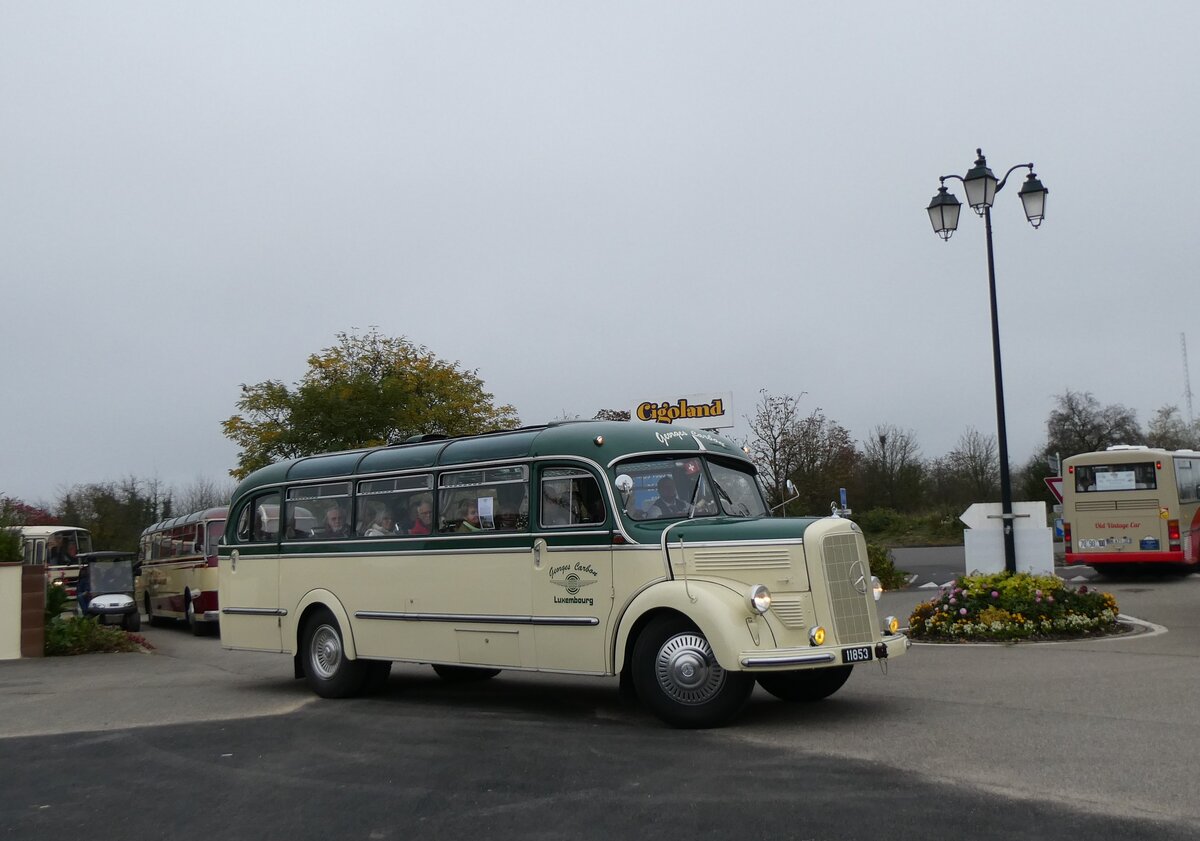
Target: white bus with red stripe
[1130,507]
[178,578]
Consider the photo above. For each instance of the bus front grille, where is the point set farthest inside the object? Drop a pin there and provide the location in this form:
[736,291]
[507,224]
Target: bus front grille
[849,580]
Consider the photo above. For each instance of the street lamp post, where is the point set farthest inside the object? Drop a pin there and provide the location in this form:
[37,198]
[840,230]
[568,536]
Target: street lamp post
[981,187]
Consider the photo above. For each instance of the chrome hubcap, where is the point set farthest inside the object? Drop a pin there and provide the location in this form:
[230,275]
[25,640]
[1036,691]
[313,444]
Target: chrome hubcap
[325,652]
[686,670]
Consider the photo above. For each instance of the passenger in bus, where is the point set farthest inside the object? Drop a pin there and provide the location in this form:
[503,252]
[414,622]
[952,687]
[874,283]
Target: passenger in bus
[422,521]
[383,525]
[335,523]
[470,520]
[668,503]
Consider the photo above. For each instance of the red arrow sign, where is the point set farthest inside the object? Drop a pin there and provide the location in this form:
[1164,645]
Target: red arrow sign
[1054,483]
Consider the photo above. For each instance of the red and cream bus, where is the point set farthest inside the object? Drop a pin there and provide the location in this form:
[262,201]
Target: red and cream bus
[179,569]
[1128,507]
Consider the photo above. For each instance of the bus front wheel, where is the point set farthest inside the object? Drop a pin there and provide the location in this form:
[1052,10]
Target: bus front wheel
[327,669]
[678,678]
[807,685]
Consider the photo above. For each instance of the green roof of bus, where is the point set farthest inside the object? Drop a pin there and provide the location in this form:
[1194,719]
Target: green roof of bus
[569,438]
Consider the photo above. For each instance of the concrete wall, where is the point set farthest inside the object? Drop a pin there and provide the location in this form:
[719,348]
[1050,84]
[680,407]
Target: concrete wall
[10,611]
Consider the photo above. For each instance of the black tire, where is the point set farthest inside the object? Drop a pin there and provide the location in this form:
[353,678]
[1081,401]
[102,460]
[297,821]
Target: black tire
[679,679]
[805,686]
[150,617]
[378,672]
[327,670]
[462,674]
[198,628]
[132,621]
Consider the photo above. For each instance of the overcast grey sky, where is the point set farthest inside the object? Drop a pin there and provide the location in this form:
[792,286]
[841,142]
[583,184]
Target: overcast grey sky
[590,203]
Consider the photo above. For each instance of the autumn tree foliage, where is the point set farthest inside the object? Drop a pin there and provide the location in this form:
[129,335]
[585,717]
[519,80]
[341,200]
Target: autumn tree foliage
[368,389]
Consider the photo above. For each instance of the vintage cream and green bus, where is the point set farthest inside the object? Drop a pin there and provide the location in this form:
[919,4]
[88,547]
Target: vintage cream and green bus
[559,549]
[58,549]
[178,578]
[1129,507]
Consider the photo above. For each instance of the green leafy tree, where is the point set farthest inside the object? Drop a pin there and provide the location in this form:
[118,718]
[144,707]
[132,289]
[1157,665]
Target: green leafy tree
[115,512]
[366,390]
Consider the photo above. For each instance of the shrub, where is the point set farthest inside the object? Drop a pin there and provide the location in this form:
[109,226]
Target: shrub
[56,602]
[84,635]
[1013,607]
[883,566]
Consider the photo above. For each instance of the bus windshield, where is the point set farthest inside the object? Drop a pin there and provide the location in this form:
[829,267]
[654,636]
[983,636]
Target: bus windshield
[1138,476]
[682,487]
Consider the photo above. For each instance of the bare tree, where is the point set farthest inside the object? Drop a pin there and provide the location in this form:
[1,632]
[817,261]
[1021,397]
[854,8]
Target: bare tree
[1168,430]
[975,459]
[825,460]
[774,436]
[202,493]
[1079,424]
[893,469]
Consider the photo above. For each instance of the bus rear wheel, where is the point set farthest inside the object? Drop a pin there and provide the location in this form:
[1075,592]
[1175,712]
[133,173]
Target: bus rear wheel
[327,669]
[678,678]
[198,628]
[807,685]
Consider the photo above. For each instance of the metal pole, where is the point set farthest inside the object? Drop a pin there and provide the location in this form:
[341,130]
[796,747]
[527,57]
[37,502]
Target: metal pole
[1010,545]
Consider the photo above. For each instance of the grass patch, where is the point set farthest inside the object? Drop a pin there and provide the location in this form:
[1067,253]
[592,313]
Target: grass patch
[1004,606]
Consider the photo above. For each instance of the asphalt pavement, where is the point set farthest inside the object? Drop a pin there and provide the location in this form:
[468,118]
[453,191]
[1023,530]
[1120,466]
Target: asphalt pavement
[1093,739]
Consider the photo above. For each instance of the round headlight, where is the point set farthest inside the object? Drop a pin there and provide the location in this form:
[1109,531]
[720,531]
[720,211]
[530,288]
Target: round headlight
[816,635]
[876,587]
[759,598]
[891,624]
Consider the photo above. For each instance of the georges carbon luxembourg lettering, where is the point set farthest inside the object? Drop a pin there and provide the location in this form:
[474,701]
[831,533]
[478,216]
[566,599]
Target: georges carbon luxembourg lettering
[568,577]
[667,412]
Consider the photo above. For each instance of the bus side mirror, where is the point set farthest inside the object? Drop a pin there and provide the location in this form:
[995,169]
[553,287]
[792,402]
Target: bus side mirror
[625,486]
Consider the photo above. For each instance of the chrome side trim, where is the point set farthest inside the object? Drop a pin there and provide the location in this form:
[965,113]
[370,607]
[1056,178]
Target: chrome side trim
[788,659]
[254,611]
[589,621]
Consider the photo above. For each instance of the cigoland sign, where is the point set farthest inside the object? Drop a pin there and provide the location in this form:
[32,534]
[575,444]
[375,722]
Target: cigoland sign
[695,411]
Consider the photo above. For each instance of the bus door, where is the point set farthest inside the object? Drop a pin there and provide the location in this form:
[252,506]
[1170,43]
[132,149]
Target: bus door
[572,570]
[249,576]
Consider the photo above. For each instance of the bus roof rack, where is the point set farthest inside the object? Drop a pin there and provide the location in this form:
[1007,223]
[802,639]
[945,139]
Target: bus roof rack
[428,436]
[1128,447]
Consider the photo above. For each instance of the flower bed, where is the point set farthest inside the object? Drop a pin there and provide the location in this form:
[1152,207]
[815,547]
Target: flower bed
[1013,607]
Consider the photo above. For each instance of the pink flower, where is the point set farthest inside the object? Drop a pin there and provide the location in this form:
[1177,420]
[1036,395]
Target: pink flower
[1050,599]
[995,595]
[963,611]
[1038,600]
[953,600]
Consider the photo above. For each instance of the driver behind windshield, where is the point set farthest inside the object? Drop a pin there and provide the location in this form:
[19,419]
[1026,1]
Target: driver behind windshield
[668,503]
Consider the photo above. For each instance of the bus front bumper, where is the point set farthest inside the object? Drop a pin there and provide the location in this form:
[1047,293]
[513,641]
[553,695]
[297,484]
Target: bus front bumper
[892,645]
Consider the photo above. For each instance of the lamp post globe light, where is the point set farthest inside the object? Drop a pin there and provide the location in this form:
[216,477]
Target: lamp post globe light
[981,188]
